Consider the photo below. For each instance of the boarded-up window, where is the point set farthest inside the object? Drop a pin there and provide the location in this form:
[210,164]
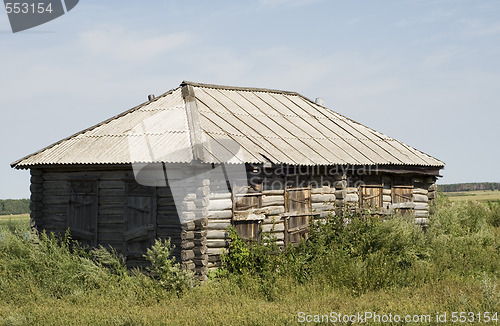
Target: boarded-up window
[249,230]
[402,194]
[247,198]
[140,220]
[82,214]
[298,217]
[370,196]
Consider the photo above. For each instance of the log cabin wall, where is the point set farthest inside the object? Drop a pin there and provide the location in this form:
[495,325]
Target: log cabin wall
[129,217]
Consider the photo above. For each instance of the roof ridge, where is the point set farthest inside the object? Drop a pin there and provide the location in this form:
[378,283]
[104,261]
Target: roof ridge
[238,88]
[14,164]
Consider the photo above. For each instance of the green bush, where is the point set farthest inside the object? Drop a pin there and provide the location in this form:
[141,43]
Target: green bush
[169,274]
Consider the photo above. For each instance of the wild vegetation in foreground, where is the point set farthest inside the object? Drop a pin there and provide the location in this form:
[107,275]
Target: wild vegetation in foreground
[367,265]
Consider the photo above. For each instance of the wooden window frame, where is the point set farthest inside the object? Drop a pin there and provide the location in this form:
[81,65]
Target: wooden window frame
[394,195]
[362,198]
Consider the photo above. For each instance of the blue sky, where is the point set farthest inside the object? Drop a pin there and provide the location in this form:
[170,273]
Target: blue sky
[425,72]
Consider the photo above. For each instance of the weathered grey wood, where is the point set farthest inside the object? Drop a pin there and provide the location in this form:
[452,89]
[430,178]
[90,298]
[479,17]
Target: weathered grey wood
[220,204]
[223,214]
[111,184]
[386,192]
[432,195]
[268,200]
[317,207]
[215,251]
[222,195]
[315,198]
[341,194]
[420,198]
[55,185]
[340,184]
[216,234]
[216,243]
[421,206]
[273,192]
[218,225]
[420,191]
[187,255]
[279,227]
[386,198]
[353,198]
[421,213]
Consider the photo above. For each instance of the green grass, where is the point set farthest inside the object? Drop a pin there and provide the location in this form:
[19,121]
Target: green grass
[383,267]
[480,196]
[20,220]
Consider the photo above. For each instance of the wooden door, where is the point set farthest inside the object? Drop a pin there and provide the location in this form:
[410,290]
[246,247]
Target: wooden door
[140,220]
[82,211]
[298,207]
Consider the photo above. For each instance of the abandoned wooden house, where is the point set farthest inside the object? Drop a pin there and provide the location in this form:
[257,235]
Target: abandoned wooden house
[199,158]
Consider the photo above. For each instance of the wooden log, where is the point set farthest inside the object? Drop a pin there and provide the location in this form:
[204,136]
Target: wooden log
[421,221]
[323,198]
[111,184]
[215,251]
[187,245]
[187,255]
[341,194]
[352,198]
[203,202]
[387,192]
[318,207]
[386,199]
[188,206]
[432,195]
[188,216]
[214,265]
[189,265]
[340,184]
[188,226]
[226,214]
[220,204]
[420,191]
[421,206]
[273,192]
[432,187]
[273,228]
[216,243]
[352,190]
[216,234]
[273,210]
[55,185]
[272,200]
[218,225]
[34,171]
[420,198]
[421,213]
[221,195]
[200,262]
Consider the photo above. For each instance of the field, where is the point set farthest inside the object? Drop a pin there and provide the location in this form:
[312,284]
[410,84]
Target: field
[367,266]
[15,220]
[480,196]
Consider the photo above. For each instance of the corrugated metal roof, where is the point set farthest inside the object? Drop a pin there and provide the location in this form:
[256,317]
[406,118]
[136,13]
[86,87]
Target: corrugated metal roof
[237,125]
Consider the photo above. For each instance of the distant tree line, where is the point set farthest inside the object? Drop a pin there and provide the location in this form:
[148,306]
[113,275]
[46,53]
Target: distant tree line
[474,186]
[14,206]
